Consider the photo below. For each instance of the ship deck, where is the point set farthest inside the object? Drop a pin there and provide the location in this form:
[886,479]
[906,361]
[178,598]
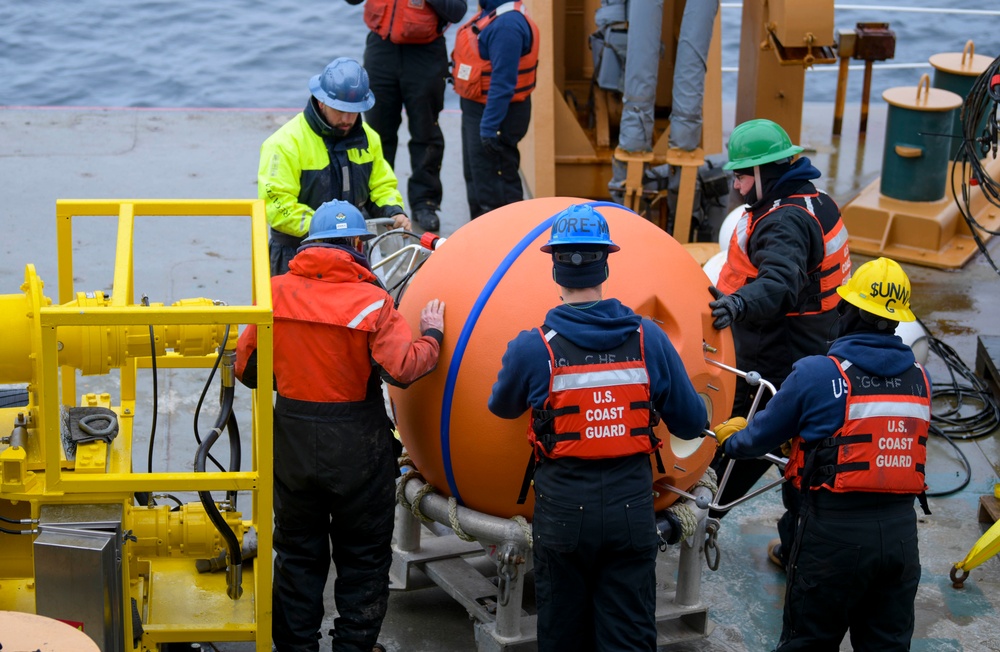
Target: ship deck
[52,154]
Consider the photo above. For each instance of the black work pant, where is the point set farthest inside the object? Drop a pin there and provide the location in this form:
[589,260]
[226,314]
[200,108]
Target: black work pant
[411,76]
[595,576]
[852,569]
[492,181]
[281,248]
[334,496]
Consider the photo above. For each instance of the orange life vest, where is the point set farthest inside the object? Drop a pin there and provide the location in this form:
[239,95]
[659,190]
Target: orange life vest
[598,405]
[820,294]
[882,447]
[471,73]
[404,21]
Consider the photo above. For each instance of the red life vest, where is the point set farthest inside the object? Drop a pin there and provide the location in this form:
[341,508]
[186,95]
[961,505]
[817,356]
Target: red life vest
[471,73]
[820,293]
[882,447]
[598,405]
[404,21]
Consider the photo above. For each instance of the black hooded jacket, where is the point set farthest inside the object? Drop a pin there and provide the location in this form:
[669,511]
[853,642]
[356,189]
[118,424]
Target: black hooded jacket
[784,247]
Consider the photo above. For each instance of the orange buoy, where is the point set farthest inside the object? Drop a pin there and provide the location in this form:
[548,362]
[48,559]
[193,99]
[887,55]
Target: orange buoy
[495,283]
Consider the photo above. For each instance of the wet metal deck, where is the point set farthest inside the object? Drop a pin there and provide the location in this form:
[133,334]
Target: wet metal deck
[49,154]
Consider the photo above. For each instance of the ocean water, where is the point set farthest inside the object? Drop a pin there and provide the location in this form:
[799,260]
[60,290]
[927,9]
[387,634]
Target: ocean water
[251,54]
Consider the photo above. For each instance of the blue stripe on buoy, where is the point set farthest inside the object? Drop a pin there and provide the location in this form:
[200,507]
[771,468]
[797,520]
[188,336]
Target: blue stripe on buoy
[469,326]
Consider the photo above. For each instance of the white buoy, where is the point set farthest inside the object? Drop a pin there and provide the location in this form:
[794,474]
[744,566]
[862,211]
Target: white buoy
[914,336]
[713,266]
[728,226]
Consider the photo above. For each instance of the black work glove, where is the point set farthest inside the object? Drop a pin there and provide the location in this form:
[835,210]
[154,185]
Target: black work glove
[491,145]
[726,308]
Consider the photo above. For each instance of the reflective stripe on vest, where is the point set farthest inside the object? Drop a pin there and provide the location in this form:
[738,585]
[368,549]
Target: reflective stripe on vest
[598,404]
[882,446]
[591,379]
[820,293]
[404,21]
[360,317]
[471,73]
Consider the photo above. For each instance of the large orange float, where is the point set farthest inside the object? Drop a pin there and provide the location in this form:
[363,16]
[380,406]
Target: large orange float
[495,282]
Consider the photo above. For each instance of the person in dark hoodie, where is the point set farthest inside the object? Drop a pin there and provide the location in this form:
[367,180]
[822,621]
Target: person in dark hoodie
[336,334]
[407,61]
[493,70]
[326,152]
[860,417]
[594,531]
[777,289]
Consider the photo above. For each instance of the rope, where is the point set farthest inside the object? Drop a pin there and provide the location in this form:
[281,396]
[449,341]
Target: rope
[687,518]
[709,480]
[453,520]
[525,528]
[415,509]
[404,461]
[685,515]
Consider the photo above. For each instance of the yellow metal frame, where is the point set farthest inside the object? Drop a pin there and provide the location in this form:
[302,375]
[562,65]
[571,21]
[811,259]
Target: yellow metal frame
[163,587]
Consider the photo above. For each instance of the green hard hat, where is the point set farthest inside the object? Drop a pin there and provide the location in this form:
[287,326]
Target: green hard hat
[756,142]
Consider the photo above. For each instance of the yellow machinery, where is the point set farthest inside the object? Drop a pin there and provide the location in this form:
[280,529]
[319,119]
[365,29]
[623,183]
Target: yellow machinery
[572,143]
[77,544]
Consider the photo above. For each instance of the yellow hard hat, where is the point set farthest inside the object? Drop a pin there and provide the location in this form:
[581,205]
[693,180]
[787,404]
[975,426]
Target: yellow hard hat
[880,287]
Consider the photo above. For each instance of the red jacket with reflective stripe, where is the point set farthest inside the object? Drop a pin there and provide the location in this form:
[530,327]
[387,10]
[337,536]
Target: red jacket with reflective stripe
[595,408]
[330,322]
[403,21]
[471,73]
[882,447]
[820,294]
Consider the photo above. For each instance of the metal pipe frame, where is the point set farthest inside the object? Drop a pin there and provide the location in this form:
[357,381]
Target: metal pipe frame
[496,609]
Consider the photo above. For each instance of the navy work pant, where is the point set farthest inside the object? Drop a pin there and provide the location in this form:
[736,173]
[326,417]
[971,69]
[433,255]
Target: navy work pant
[334,496]
[411,76]
[595,576]
[852,569]
[492,181]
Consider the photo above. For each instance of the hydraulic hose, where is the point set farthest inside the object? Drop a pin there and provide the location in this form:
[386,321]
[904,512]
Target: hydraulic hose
[226,419]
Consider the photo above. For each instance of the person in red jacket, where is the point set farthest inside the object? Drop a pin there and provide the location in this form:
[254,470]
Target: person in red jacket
[336,335]
[407,61]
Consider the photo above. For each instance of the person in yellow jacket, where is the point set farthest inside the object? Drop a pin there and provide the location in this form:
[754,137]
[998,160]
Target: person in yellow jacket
[324,153]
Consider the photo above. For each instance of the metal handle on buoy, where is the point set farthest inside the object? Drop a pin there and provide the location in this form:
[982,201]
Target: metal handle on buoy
[925,85]
[970,52]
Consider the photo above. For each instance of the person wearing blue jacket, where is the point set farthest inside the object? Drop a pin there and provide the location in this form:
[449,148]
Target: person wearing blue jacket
[493,70]
[860,417]
[596,377]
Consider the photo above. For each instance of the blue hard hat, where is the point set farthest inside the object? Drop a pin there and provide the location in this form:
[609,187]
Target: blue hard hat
[343,86]
[338,219]
[580,225]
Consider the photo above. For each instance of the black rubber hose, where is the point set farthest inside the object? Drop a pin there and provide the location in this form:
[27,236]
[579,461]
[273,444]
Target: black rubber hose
[232,544]
[6,531]
[235,452]
[204,392]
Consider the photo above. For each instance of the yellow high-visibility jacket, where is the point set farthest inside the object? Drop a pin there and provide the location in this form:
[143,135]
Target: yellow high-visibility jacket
[304,164]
